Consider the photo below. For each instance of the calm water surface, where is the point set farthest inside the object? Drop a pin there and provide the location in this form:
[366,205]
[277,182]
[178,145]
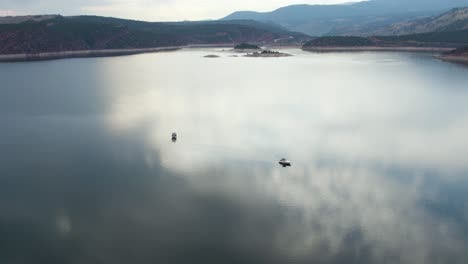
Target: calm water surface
[378,141]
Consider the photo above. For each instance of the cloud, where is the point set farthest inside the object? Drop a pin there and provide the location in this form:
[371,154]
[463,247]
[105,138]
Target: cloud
[9,12]
[347,124]
[153,10]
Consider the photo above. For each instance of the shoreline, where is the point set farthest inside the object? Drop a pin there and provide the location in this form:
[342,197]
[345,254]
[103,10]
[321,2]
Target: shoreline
[96,53]
[123,52]
[373,48]
[453,58]
[79,54]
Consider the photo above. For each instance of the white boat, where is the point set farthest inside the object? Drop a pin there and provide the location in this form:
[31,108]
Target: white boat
[285,163]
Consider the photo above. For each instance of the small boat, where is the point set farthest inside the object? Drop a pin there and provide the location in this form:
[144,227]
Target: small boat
[285,163]
[174,136]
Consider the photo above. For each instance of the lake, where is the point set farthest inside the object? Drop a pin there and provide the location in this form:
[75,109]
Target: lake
[378,144]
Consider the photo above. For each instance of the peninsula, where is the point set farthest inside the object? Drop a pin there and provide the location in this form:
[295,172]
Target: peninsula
[458,55]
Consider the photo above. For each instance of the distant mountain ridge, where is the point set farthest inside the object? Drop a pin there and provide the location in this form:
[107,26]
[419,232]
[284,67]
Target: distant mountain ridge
[455,19]
[347,19]
[21,19]
[57,33]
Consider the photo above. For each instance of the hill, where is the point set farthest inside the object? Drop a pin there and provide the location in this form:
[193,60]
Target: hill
[445,38]
[349,19]
[59,33]
[339,41]
[448,39]
[455,19]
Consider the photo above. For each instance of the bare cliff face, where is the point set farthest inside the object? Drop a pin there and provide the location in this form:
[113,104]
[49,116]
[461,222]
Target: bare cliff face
[454,20]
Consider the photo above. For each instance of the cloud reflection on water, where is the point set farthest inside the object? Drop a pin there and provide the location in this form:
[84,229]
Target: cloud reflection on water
[348,123]
[90,175]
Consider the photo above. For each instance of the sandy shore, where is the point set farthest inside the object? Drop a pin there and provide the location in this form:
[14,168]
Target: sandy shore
[412,49]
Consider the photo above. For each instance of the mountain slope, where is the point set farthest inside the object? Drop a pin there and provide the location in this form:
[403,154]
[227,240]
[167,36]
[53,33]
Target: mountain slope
[93,33]
[455,19]
[349,18]
[143,25]
[445,39]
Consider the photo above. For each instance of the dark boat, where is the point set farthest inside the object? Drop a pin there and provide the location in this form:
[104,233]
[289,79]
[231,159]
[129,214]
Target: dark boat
[285,163]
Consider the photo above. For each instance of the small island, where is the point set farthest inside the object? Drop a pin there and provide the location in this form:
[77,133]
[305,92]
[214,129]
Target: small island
[246,46]
[211,56]
[267,54]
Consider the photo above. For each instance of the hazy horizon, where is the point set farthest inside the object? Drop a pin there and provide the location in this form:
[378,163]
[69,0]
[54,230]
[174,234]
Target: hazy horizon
[159,10]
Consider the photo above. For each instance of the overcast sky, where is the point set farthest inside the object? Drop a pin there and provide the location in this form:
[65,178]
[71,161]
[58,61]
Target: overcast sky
[151,10]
